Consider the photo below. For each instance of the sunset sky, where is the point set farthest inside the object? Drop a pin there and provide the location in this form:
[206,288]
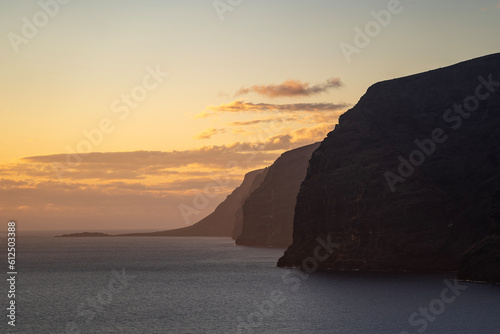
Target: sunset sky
[177,100]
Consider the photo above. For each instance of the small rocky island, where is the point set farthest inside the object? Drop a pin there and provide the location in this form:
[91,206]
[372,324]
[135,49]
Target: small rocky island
[83,235]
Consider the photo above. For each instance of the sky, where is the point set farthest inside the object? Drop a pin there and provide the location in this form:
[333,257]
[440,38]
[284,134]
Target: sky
[147,114]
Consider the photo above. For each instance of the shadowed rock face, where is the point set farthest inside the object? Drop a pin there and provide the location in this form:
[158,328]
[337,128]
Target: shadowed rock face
[268,211]
[238,225]
[419,218]
[482,261]
[221,222]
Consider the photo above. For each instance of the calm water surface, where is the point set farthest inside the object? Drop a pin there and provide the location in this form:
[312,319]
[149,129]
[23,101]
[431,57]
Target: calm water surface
[208,285]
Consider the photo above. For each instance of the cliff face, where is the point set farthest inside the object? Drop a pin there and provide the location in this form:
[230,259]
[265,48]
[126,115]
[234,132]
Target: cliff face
[238,224]
[268,211]
[221,222]
[406,179]
[482,261]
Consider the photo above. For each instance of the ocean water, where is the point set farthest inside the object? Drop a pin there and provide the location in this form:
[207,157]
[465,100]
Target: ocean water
[209,285]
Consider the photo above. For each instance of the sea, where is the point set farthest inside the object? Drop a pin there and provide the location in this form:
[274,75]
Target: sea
[209,285]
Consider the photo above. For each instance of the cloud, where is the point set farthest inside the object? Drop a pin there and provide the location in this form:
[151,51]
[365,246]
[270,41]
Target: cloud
[314,118]
[291,139]
[242,106]
[320,118]
[498,5]
[299,137]
[291,88]
[148,167]
[140,163]
[208,133]
[121,188]
[4,184]
[312,134]
[263,121]
[118,189]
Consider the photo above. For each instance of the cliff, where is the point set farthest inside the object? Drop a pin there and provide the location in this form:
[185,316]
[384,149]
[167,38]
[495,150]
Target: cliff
[221,222]
[238,224]
[268,211]
[482,261]
[406,179]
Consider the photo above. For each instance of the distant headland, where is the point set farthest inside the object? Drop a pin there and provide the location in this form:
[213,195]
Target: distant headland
[83,235]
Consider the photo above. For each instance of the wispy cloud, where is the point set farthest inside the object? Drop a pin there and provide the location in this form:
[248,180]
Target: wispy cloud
[140,166]
[209,133]
[142,162]
[249,107]
[299,137]
[312,134]
[291,88]
[316,118]
[122,188]
[263,121]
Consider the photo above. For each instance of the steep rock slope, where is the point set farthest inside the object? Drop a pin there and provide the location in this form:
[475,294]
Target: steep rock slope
[221,222]
[406,179]
[238,224]
[268,211]
[482,261]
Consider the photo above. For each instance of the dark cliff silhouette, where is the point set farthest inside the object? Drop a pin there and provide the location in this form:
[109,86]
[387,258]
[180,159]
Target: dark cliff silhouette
[482,261]
[221,222]
[406,179]
[267,213]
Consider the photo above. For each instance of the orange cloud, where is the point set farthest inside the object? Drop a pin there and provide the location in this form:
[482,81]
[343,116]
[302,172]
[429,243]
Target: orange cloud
[138,164]
[265,120]
[312,134]
[291,88]
[117,189]
[209,133]
[242,106]
[300,137]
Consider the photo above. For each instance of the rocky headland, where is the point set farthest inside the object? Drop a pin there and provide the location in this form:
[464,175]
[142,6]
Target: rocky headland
[406,179]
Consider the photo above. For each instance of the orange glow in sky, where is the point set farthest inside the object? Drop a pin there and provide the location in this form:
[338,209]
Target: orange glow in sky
[116,113]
